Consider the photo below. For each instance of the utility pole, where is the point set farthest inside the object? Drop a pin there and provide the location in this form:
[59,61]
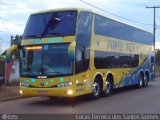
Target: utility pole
[11,42]
[154,23]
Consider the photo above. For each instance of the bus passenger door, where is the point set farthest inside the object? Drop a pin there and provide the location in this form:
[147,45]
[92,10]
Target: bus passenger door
[81,66]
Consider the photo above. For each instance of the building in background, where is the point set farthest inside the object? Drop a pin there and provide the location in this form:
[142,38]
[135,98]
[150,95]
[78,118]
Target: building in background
[10,70]
[2,67]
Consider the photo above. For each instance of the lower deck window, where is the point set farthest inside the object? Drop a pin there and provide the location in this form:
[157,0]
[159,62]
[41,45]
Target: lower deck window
[115,60]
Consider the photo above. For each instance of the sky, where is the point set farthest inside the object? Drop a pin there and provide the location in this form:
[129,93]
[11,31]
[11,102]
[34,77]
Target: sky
[14,13]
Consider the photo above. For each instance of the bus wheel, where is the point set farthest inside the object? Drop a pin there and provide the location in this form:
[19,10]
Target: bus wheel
[108,88]
[97,89]
[141,82]
[146,79]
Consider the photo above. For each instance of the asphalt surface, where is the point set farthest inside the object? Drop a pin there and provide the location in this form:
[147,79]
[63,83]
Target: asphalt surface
[128,100]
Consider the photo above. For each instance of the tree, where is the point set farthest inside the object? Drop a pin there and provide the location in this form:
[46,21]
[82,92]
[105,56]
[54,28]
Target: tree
[16,40]
[4,53]
[158,57]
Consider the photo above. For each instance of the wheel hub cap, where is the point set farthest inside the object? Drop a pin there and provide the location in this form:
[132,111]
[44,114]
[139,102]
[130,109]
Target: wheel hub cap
[108,87]
[95,88]
[140,82]
[145,80]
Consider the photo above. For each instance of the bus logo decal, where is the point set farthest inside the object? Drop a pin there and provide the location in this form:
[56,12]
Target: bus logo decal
[42,84]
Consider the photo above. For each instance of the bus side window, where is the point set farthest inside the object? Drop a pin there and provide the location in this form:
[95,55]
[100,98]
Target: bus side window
[84,23]
[80,59]
[152,59]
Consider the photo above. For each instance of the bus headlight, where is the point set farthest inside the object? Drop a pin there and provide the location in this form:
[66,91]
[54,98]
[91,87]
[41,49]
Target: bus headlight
[21,92]
[69,92]
[65,84]
[24,84]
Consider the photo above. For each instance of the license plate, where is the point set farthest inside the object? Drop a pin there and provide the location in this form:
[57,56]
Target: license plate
[42,92]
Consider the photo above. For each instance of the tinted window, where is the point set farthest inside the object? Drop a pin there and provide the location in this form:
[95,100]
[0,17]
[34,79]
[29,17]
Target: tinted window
[152,59]
[56,60]
[51,60]
[84,29]
[83,41]
[82,59]
[115,60]
[60,23]
[31,61]
[111,28]
[84,23]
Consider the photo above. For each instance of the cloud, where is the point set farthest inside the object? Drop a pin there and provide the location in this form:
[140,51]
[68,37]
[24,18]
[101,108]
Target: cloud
[5,40]
[157,45]
[11,28]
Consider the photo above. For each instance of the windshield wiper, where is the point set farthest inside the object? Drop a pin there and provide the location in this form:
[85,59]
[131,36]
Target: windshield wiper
[32,36]
[55,33]
[30,72]
[56,72]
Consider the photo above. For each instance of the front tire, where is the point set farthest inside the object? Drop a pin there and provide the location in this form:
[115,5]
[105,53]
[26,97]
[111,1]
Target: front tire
[97,89]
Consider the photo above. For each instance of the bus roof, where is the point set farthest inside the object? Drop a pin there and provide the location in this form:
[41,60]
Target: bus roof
[60,9]
[88,10]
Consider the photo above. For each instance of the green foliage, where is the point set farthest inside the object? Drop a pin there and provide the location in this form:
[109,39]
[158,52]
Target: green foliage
[16,40]
[158,57]
[4,53]
[157,70]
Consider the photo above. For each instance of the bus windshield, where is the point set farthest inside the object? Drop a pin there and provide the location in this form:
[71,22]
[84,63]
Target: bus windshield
[47,60]
[52,24]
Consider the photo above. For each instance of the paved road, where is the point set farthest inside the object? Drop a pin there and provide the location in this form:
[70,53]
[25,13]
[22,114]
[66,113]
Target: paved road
[130,100]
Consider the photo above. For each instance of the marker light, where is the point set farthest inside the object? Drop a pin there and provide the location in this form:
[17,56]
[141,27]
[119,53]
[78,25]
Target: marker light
[85,80]
[34,48]
[69,92]
[21,92]
[77,81]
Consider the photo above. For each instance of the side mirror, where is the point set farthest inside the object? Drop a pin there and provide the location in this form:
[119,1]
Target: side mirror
[71,51]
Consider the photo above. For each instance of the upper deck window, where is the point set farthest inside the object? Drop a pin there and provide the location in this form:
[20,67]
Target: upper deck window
[84,23]
[111,28]
[52,24]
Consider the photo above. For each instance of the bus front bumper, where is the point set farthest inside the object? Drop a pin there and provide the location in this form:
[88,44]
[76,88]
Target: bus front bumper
[50,92]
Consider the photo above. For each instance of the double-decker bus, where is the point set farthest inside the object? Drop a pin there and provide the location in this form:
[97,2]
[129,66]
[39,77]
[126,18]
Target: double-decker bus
[72,52]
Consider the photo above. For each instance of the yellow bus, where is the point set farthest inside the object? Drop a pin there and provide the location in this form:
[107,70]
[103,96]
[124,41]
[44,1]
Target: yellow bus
[73,52]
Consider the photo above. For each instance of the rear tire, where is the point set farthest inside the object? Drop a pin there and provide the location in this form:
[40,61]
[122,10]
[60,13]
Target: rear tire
[141,81]
[97,89]
[146,79]
[108,88]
